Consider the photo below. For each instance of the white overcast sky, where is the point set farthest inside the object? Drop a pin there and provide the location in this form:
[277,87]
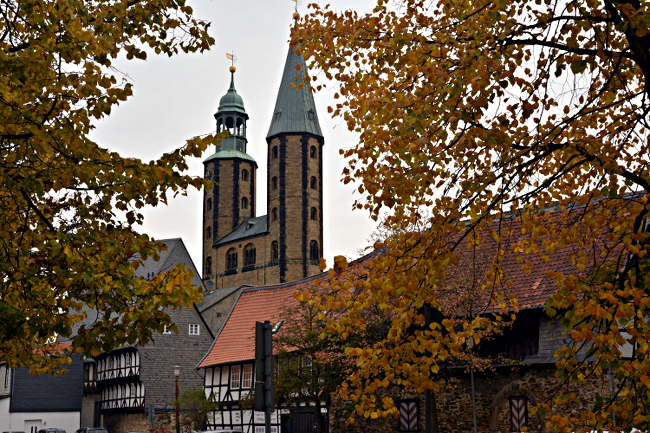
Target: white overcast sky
[175,99]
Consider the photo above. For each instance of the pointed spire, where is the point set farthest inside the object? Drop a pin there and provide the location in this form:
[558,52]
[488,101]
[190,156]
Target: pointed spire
[295,110]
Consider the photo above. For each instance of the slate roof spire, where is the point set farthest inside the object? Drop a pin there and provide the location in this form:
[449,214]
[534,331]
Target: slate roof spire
[295,111]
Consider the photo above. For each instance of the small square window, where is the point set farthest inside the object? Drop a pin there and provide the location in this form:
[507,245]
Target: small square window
[306,362]
[194,329]
[166,331]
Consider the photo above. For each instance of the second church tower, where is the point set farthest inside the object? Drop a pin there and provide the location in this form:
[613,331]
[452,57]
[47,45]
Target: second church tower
[286,243]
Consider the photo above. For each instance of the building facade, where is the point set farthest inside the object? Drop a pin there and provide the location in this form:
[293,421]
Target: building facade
[286,244]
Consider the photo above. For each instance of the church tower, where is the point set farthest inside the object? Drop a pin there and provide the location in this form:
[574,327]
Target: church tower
[295,168]
[286,244]
[231,200]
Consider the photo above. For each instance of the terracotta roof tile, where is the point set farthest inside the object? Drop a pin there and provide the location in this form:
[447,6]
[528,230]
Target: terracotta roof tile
[235,342]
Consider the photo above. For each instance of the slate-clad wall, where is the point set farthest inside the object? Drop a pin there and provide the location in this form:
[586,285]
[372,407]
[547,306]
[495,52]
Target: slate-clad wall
[45,393]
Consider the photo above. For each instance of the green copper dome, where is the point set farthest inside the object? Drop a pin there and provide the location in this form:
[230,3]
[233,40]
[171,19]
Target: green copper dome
[232,101]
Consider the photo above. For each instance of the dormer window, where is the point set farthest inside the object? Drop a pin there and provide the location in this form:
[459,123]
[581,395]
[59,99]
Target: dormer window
[310,114]
[278,115]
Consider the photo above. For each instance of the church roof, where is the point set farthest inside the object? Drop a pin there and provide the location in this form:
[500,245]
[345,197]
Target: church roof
[295,110]
[248,228]
[232,101]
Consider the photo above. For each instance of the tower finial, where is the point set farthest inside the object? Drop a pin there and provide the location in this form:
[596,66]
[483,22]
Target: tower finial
[233,58]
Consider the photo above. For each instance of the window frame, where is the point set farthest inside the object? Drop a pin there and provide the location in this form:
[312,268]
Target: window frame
[194,326]
[237,384]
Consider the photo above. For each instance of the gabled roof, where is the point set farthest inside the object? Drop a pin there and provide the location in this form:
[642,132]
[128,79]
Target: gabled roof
[175,253]
[236,341]
[295,110]
[248,228]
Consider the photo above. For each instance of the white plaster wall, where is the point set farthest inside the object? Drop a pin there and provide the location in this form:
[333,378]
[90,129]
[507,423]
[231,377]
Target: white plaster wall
[21,421]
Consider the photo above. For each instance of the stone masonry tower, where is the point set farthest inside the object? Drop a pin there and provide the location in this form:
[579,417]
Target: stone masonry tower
[232,199]
[295,169]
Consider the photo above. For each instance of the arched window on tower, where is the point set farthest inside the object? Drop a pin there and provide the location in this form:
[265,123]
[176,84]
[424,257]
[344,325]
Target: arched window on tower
[249,255]
[208,204]
[274,183]
[274,152]
[313,182]
[231,259]
[275,253]
[208,266]
[244,175]
[244,203]
[230,124]
[314,252]
[208,233]
[313,214]
[274,214]
[312,152]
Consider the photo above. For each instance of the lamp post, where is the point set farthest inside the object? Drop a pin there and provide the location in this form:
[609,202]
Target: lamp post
[177,372]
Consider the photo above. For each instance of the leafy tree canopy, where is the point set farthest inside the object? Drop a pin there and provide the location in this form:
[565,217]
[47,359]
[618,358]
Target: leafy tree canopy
[477,110]
[68,207]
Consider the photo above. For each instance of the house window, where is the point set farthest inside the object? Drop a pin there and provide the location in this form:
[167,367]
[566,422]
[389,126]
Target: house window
[274,214]
[208,204]
[313,182]
[518,412]
[247,378]
[274,250]
[312,152]
[314,253]
[235,373]
[274,183]
[306,362]
[194,329]
[231,259]
[208,233]
[244,203]
[313,214]
[274,152]
[249,255]
[128,360]
[244,175]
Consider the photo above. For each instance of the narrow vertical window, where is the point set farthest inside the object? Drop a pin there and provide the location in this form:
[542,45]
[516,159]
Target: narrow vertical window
[235,376]
[274,183]
[314,252]
[208,266]
[313,182]
[312,152]
[208,233]
[274,152]
[313,214]
[247,376]
[275,254]
[208,204]
[244,175]
[274,214]
[244,203]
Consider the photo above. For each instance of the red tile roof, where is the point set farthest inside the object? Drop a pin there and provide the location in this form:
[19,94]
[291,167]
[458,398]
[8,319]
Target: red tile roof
[530,287]
[236,342]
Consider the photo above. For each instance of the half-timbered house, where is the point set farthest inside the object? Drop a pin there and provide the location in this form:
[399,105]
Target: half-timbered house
[229,368]
[135,385]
